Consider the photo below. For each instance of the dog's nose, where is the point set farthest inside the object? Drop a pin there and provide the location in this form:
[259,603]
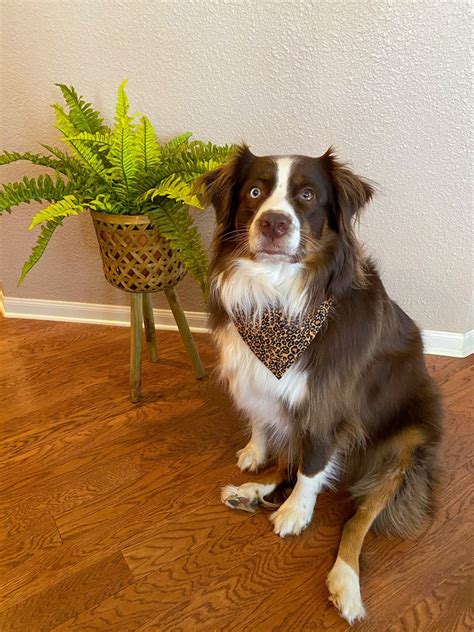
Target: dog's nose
[274,224]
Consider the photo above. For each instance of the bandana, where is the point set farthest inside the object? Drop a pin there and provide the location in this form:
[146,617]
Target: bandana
[277,340]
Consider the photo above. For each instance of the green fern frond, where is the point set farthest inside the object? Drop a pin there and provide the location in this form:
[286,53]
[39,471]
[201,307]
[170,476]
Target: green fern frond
[175,143]
[59,161]
[33,189]
[92,158]
[123,159]
[37,159]
[98,138]
[123,151]
[208,151]
[199,158]
[81,114]
[69,205]
[106,203]
[63,121]
[69,163]
[165,168]
[123,105]
[183,167]
[189,164]
[204,157]
[83,150]
[147,147]
[61,155]
[175,225]
[174,188]
[45,235]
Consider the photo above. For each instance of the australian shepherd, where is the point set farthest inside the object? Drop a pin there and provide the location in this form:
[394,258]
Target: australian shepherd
[326,367]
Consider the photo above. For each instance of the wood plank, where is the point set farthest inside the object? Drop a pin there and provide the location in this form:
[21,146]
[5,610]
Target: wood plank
[80,591]
[25,534]
[448,607]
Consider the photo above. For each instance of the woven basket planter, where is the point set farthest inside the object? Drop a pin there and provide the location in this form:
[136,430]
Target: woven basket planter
[135,258]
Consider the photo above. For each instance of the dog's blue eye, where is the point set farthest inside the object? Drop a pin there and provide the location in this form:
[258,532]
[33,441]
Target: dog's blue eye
[255,192]
[307,194]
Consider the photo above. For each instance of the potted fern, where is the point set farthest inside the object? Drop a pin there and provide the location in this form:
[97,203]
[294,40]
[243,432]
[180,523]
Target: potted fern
[121,171]
[138,192]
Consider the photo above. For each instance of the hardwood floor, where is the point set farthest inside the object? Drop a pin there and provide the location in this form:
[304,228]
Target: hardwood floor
[111,518]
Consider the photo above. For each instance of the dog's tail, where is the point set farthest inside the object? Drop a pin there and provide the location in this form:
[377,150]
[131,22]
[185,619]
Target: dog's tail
[411,508]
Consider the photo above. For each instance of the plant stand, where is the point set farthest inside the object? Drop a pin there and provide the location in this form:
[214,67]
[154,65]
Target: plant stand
[136,259]
[142,314]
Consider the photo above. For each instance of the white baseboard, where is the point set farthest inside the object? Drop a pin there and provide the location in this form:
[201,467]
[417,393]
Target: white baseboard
[436,342]
[70,312]
[448,343]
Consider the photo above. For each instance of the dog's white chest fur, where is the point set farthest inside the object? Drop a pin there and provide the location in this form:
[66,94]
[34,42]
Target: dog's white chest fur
[251,287]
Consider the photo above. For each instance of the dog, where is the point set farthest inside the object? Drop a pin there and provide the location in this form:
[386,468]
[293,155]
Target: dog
[326,367]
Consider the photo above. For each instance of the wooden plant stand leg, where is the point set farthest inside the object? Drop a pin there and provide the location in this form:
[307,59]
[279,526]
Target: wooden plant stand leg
[185,332]
[149,321]
[136,347]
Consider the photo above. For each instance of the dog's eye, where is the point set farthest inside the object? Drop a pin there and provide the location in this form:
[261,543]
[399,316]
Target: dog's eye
[307,194]
[255,192]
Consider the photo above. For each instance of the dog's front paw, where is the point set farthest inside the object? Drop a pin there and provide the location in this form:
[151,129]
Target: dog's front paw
[344,591]
[290,519]
[250,458]
[248,496]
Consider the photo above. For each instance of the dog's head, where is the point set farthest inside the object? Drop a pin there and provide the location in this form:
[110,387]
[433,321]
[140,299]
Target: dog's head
[279,207]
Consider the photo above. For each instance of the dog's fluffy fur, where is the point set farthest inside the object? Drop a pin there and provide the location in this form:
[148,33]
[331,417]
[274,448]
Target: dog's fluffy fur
[358,409]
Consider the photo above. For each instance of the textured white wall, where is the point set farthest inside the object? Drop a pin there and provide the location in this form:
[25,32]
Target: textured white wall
[386,81]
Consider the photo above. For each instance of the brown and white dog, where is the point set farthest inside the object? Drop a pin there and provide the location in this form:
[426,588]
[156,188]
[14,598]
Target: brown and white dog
[356,408]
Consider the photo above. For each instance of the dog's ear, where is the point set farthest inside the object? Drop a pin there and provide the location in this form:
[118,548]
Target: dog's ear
[220,187]
[351,192]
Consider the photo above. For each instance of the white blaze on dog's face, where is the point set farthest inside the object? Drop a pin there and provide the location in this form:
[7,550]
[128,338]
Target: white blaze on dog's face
[274,232]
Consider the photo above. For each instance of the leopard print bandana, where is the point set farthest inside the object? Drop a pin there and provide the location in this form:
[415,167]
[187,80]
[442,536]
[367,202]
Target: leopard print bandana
[278,341]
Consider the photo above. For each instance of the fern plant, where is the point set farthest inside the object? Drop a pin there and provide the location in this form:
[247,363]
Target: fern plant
[118,169]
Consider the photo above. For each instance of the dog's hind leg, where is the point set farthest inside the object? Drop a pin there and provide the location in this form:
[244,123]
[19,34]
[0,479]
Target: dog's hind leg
[375,491]
[343,579]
